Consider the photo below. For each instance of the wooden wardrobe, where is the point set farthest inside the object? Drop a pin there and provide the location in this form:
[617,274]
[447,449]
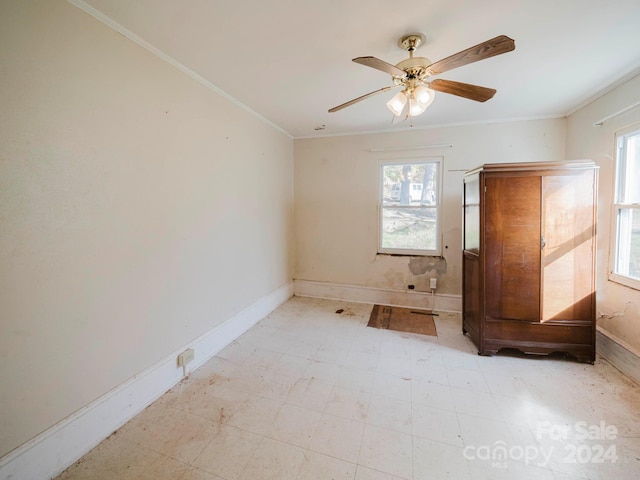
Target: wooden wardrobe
[529,257]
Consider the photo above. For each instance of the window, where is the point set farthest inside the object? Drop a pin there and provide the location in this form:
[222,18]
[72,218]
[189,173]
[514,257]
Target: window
[409,207]
[626,214]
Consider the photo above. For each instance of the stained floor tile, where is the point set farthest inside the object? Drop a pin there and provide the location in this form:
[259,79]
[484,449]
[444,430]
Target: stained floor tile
[310,394]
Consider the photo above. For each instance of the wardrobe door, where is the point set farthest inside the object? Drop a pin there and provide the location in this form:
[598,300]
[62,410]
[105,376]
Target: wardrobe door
[512,247]
[567,258]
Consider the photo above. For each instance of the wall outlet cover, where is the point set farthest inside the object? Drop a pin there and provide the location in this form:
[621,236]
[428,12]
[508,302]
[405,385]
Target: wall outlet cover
[186,357]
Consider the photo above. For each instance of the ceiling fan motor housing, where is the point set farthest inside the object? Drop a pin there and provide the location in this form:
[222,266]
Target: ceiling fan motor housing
[415,67]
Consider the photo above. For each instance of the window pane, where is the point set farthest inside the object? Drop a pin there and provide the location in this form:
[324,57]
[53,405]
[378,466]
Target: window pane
[629,170]
[410,184]
[409,197]
[628,261]
[409,228]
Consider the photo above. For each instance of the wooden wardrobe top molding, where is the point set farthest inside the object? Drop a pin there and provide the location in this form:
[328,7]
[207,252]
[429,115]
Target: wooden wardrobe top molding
[531,166]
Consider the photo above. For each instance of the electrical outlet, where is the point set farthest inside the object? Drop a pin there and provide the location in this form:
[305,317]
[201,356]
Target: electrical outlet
[433,283]
[185,357]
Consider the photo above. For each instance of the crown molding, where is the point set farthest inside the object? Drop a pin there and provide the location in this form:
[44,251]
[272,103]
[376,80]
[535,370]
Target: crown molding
[98,15]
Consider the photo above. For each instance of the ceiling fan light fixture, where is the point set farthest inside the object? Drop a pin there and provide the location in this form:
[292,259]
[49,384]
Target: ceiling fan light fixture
[420,99]
[415,108]
[397,103]
[424,94]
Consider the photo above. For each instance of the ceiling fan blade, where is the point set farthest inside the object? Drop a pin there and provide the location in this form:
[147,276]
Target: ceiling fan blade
[490,48]
[356,100]
[381,65]
[466,90]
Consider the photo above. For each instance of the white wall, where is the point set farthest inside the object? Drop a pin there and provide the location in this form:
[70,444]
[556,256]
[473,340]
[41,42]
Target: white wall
[138,210]
[336,195]
[618,305]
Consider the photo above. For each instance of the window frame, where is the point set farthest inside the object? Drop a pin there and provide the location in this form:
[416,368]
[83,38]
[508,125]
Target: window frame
[437,252]
[620,169]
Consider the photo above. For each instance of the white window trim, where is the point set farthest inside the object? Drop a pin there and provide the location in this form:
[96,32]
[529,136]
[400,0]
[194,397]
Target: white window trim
[613,250]
[437,252]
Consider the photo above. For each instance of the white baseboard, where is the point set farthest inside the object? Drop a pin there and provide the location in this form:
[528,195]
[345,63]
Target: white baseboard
[620,355]
[398,298]
[51,452]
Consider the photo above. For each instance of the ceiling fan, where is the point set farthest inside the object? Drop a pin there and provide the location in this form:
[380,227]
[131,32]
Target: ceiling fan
[413,75]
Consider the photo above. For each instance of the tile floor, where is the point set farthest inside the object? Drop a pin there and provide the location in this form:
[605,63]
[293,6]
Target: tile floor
[311,394]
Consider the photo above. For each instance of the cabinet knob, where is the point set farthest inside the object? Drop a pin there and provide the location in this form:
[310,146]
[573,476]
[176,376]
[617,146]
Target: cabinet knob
[543,242]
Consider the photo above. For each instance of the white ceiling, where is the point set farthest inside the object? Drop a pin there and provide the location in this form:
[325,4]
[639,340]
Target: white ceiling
[290,60]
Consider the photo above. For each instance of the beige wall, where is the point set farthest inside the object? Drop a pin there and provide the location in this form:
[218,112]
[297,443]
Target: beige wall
[138,210]
[618,305]
[336,195]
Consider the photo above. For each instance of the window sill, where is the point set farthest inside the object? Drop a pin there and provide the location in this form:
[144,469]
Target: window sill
[626,281]
[403,254]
